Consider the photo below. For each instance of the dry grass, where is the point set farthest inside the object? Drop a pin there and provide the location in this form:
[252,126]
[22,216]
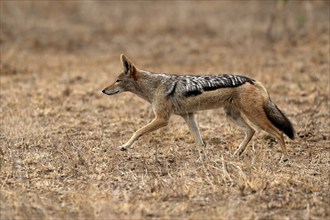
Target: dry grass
[59,134]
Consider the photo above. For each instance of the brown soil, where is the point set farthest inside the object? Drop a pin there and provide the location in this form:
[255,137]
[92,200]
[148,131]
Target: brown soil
[59,134]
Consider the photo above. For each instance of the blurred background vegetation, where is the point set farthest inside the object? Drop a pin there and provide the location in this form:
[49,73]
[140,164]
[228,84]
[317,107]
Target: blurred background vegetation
[113,27]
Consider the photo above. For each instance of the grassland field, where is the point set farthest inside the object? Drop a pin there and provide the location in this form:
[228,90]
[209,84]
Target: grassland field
[59,134]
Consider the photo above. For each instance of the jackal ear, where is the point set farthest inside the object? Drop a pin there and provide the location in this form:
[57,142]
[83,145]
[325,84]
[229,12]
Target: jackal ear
[127,64]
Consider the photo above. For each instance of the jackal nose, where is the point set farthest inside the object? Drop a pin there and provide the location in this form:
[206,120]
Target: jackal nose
[103,91]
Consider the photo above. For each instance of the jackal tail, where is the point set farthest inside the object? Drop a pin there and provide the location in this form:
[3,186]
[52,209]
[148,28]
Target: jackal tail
[278,119]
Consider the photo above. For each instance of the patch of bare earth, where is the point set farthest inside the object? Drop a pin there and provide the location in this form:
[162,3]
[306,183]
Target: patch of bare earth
[59,134]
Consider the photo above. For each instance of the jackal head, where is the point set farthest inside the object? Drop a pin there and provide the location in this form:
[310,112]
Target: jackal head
[126,80]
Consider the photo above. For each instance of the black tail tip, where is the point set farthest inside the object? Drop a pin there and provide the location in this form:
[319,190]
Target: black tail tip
[288,129]
[278,118]
[291,135]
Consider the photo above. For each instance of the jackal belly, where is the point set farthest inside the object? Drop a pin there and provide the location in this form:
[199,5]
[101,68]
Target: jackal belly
[207,100]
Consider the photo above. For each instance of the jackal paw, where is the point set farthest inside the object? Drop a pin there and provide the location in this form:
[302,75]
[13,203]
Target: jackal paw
[202,156]
[284,159]
[123,148]
[238,152]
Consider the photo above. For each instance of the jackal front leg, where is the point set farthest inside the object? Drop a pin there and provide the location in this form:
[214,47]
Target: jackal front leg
[155,124]
[237,118]
[191,121]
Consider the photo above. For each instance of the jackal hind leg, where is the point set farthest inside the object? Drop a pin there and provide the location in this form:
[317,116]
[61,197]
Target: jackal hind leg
[284,156]
[237,118]
[193,127]
[280,139]
[263,122]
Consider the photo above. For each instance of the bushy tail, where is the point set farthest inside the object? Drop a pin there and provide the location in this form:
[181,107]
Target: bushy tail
[278,119]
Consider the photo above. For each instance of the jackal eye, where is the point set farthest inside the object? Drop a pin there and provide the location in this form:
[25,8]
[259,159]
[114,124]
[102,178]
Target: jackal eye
[118,80]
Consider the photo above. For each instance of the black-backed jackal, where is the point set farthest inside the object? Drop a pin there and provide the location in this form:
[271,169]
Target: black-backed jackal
[244,100]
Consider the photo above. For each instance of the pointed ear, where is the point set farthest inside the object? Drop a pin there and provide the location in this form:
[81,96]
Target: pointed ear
[127,64]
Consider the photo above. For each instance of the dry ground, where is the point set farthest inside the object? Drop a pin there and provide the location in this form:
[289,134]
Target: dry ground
[59,134]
